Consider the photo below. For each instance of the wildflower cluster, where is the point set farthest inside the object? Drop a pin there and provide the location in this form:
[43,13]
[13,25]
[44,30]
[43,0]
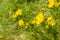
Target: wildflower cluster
[18,12]
[21,22]
[53,3]
[37,23]
[29,19]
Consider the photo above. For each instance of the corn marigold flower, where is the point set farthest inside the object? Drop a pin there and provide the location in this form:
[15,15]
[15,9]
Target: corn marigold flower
[18,12]
[51,21]
[51,3]
[39,18]
[21,22]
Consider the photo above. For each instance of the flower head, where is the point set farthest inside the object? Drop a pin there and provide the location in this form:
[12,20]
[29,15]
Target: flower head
[51,3]
[39,18]
[51,21]
[21,22]
[18,12]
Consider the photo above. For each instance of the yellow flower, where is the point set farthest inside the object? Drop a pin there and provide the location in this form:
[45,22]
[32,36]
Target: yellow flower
[18,12]
[21,22]
[14,16]
[33,21]
[51,3]
[39,18]
[51,21]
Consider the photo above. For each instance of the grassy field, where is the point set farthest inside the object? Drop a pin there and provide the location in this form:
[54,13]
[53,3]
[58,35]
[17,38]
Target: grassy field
[29,19]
